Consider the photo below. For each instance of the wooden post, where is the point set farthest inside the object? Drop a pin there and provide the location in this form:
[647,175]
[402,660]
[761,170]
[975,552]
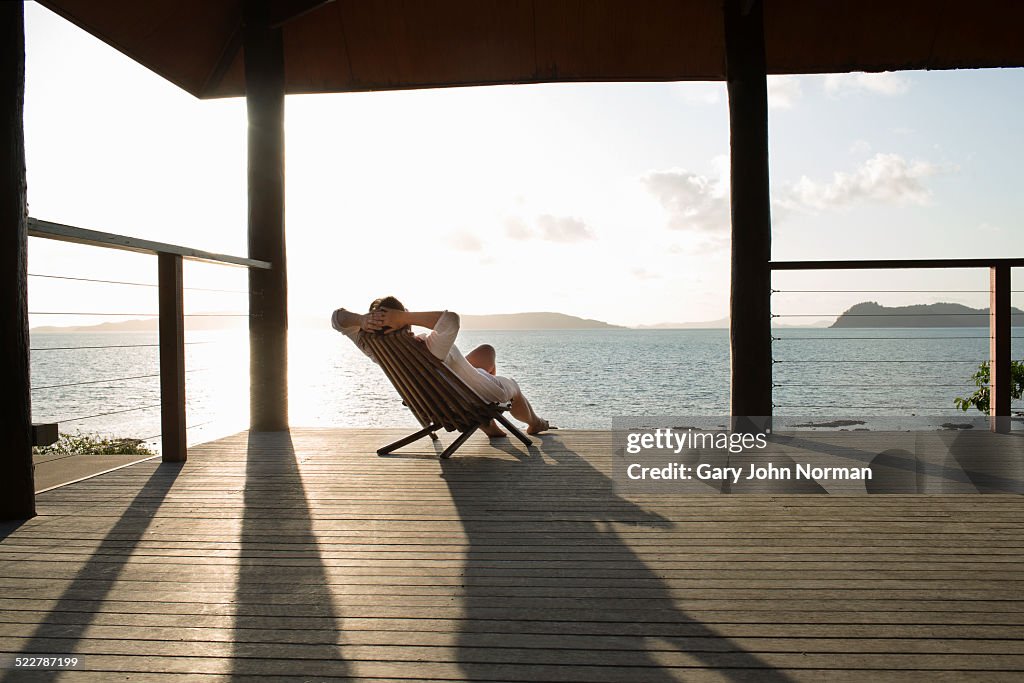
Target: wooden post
[172,359]
[750,300]
[17,488]
[999,347]
[268,289]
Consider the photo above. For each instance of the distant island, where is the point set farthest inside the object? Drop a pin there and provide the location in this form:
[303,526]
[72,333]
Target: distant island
[533,321]
[873,314]
[501,321]
[150,325]
[497,321]
[720,324]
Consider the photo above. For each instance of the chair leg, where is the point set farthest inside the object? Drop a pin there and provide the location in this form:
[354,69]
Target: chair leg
[433,436]
[429,429]
[515,430]
[458,442]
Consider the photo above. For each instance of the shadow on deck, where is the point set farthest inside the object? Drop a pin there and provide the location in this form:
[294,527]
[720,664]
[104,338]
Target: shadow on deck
[305,556]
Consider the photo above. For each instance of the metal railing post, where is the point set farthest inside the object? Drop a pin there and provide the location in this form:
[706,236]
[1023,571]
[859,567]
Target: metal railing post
[172,358]
[1000,369]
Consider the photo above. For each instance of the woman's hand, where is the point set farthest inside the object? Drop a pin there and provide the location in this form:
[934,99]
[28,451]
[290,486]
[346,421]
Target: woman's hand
[383,320]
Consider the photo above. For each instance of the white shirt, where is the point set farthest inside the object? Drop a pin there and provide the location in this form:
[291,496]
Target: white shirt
[440,342]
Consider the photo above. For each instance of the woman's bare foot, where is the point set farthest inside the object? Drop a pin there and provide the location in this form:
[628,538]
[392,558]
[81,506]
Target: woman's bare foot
[492,430]
[540,425]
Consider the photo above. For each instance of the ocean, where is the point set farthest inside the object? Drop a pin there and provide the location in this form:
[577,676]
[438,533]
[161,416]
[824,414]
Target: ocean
[577,378]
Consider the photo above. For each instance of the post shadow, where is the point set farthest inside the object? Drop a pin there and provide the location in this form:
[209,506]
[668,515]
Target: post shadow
[8,528]
[66,623]
[283,596]
[576,619]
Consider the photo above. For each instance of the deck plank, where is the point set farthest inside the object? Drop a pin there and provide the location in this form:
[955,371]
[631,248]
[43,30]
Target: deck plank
[305,556]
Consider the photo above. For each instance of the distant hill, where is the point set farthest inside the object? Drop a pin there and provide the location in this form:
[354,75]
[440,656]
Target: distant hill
[873,314]
[150,325]
[533,321]
[816,323]
[720,324]
[701,325]
[503,321]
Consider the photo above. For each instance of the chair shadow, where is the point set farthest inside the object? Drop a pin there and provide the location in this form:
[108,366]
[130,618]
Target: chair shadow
[67,622]
[283,593]
[516,449]
[553,586]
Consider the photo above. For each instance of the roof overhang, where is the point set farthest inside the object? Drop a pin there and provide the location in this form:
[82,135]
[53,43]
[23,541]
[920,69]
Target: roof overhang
[361,45]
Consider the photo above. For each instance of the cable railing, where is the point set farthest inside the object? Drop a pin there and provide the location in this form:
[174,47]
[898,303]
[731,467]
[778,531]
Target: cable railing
[160,386]
[912,365]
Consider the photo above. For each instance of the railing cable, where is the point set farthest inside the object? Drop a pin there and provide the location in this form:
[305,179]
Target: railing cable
[887,291]
[858,384]
[787,337]
[877,315]
[109,346]
[134,284]
[146,315]
[887,407]
[157,436]
[885,360]
[112,412]
[111,380]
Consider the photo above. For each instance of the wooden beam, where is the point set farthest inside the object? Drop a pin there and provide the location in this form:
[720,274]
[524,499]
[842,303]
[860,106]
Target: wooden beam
[17,489]
[224,61]
[285,11]
[172,359]
[750,299]
[45,433]
[1000,369]
[95,238]
[268,289]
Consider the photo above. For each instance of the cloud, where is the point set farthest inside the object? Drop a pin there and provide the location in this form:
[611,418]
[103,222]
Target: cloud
[464,241]
[693,202]
[700,205]
[860,147]
[517,229]
[712,244]
[643,274]
[784,91]
[885,83]
[701,92]
[882,179]
[564,229]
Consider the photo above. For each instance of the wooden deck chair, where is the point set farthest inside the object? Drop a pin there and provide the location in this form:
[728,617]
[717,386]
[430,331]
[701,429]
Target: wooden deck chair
[434,394]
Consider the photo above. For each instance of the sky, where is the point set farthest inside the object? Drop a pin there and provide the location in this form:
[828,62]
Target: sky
[606,201]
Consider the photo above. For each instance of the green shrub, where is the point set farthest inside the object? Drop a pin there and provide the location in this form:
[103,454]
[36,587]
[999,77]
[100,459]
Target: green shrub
[980,398]
[93,444]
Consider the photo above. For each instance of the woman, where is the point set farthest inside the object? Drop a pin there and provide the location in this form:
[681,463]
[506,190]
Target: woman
[477,369]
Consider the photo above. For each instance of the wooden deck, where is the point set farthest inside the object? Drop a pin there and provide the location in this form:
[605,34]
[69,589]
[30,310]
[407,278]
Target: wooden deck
[307,557]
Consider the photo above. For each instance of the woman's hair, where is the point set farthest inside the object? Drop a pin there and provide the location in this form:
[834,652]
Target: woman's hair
[387,302]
